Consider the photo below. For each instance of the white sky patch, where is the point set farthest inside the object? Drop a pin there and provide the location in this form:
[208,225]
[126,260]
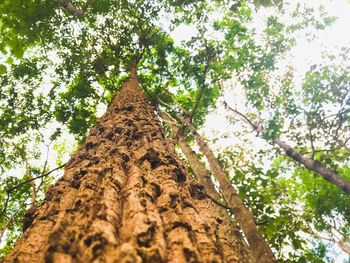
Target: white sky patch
[305,54]
[183,33]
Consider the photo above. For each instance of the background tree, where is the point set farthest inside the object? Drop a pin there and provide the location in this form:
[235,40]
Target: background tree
[60,70]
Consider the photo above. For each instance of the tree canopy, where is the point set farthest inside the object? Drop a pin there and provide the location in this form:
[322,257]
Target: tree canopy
[284,134]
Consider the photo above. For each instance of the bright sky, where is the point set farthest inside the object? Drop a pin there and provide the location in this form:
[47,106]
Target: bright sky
[303,55]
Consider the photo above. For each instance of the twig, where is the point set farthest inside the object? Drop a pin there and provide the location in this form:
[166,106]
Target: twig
[5,206]
[9,190]
[218,203]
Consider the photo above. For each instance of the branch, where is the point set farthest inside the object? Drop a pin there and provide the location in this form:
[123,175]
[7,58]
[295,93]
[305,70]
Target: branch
[5,205]
[9,190]
[198,99]
[8,223]
[244,118]
[318,151]
[311,140]
[328,174]
[71,8]
[219,203]
[341,244]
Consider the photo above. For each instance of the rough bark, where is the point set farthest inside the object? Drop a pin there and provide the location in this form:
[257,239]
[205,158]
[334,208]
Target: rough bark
[328,174]
[203,175]
[125,197]
[245,218]
[198,168]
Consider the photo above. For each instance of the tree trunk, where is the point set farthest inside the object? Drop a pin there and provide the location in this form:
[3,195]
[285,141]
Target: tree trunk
[328,174]
[245,218]
[70,7]
[203,175]
[198,168]
[125,197]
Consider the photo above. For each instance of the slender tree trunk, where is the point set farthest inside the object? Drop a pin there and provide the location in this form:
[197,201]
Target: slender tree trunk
[256,241]
[341,244]
[198,168]
[328,174]
[70,7]
[203,175]
[125,197]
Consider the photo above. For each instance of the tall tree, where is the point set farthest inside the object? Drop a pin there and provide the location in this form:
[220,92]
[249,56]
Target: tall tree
[244,217]
[125,196]
[260,248]
[62,60]
[204,176]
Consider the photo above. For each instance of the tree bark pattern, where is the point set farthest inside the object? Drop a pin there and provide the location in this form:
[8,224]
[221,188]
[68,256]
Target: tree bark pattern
[125,197]
[203,175]
[245,218]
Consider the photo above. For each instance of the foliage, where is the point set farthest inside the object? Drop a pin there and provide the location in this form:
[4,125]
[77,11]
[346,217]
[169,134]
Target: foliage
[58,70]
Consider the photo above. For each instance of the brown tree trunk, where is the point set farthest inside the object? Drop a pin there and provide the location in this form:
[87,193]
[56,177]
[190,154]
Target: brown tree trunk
[70,7]
[125,197]
[245,218]
[198,168]
[203,175]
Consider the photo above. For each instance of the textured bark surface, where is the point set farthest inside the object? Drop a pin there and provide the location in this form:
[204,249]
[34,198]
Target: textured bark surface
[203,175]
[257,242]
[198,168]
[126,197]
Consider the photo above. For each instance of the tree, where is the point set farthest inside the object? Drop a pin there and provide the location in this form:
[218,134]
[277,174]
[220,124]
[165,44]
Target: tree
[125,196]
[65,60]
[328,174]
[245,219]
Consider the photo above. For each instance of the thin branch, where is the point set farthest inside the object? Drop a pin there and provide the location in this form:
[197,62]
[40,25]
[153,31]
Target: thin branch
[7,225]
[341,244]
[198,99]
[45,165]
[342,144]
[328,174]
[9,190]
[219,203]
[5,205]
[311,140]
[318,151]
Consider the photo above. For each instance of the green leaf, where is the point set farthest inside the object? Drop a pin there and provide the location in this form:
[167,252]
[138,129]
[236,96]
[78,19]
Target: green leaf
[18,52]
[3,69]
[9,61]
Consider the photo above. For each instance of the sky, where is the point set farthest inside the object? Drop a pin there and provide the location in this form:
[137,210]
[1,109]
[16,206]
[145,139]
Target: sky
[303,55]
